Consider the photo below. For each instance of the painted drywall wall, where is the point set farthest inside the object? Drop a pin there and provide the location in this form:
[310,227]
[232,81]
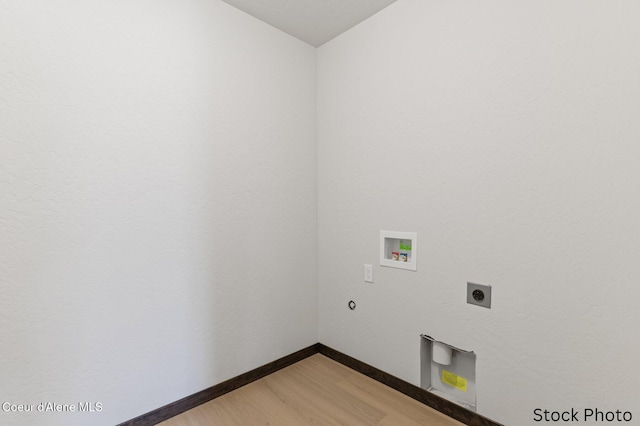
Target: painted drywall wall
[506,135]
[158,203]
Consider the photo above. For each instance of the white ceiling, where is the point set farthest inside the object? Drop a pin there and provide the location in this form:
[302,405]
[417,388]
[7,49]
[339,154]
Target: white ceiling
[312,21]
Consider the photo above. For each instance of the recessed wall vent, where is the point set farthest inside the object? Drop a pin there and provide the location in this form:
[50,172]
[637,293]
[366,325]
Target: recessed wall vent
[448,371]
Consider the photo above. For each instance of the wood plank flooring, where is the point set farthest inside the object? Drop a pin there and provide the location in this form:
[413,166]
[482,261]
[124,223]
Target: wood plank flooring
[314,391]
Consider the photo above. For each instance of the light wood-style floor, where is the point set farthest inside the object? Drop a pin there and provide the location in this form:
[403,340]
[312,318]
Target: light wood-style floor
[314,391]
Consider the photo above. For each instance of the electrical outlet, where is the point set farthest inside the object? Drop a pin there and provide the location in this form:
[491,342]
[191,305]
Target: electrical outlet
[479,294]
[368,273]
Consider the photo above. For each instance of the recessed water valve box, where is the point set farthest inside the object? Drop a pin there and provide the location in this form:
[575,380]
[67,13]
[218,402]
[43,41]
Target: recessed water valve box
[399,249]
[479,294]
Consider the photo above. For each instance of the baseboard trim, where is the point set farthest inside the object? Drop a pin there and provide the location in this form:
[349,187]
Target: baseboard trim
[442,405]
[187,403]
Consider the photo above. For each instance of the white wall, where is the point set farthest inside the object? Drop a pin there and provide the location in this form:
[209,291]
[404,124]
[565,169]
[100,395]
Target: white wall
[158,202]
[506,135]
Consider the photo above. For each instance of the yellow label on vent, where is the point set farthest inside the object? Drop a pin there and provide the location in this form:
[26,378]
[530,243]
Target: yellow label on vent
[454,380]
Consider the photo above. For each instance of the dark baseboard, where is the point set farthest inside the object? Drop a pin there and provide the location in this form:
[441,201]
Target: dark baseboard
[173,409]
[442,405]
[449,408]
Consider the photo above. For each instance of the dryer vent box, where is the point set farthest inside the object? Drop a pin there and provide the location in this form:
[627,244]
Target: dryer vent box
[448,372]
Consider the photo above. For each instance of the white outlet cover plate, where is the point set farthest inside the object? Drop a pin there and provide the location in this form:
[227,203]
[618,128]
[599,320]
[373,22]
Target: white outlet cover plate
[368,273]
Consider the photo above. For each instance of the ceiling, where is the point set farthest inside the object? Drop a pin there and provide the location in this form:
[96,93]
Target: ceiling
[312,21]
